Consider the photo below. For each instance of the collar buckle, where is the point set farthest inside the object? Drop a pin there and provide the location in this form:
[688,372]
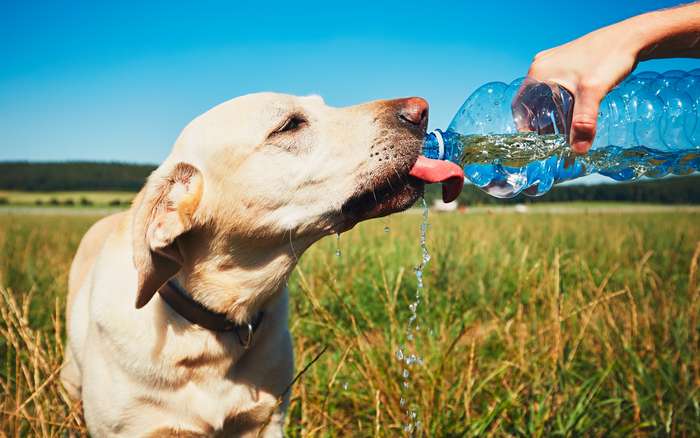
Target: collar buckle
[196,313]
[249,338]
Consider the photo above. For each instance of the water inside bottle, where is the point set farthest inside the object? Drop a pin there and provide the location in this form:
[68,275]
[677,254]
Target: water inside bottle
[507,164]
[513,150]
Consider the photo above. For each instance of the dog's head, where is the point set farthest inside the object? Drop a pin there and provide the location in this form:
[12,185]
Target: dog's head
[277,170]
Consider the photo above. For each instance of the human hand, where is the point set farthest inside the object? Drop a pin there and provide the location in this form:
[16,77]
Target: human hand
[592,65]
[589,67]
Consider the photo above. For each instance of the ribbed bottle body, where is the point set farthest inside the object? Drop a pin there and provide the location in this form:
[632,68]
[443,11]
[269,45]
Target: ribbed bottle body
[512,138]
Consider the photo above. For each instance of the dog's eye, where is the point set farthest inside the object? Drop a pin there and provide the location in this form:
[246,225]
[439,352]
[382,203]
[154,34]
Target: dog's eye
[291,124]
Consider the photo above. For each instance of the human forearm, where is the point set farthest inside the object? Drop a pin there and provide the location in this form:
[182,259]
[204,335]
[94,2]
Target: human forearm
[668,33]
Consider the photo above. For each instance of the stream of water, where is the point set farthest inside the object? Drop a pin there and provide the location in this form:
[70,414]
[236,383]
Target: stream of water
[407,352]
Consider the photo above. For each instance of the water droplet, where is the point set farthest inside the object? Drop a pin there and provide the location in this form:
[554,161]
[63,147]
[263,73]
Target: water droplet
[412,327]
[386,229]
[337,245]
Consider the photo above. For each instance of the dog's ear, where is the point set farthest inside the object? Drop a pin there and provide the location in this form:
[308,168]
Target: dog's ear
[163,213]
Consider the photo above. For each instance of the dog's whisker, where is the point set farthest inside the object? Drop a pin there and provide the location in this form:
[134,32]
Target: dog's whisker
[291,246]
[401,180]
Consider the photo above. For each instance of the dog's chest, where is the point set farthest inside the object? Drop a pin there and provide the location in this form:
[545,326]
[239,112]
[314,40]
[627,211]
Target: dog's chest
[213,406]
[195,385]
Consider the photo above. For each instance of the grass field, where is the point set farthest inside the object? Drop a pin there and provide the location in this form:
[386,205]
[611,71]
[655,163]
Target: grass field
[579,324]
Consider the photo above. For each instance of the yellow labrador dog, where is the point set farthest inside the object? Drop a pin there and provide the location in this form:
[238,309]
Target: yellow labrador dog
[177,308]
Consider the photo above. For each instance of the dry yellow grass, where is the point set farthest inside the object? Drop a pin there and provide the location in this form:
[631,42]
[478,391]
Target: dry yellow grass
[34,403]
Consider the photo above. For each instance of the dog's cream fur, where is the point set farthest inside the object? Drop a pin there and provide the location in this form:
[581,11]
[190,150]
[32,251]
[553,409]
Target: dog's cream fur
[248,186]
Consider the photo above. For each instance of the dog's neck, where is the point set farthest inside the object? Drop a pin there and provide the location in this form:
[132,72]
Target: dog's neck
[236,277]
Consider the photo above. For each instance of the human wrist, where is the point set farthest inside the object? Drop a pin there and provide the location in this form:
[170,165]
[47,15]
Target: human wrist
[668,33]
[643,33]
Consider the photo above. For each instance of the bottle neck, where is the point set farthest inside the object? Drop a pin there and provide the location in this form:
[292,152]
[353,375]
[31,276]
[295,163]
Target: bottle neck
[434,145]
[442,145]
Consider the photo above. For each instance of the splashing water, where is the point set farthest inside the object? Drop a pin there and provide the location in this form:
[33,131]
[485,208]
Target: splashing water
[519,150]
[403,354]
[504,165]
[513,150]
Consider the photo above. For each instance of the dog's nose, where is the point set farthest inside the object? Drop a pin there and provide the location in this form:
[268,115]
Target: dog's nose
[414,110]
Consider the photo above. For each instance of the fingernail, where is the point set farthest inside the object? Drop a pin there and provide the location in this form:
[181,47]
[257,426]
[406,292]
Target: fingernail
[580,147]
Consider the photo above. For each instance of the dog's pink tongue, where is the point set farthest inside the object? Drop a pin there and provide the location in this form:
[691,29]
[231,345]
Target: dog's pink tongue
[440,171]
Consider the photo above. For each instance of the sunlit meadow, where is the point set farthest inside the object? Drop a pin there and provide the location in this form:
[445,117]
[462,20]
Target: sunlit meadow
[537,324]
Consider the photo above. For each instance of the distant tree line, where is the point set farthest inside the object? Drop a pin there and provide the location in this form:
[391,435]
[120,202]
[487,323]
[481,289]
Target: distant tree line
[675,190]
[73,176]
[102,176]
[70,202]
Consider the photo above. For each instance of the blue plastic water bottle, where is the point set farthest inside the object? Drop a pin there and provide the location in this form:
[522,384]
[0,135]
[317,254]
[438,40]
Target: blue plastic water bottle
[513,138]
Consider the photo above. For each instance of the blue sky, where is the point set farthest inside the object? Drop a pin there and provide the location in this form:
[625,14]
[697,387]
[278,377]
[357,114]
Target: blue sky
[93,80]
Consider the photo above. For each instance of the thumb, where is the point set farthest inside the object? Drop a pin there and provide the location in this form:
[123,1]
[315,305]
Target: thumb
[583,121]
